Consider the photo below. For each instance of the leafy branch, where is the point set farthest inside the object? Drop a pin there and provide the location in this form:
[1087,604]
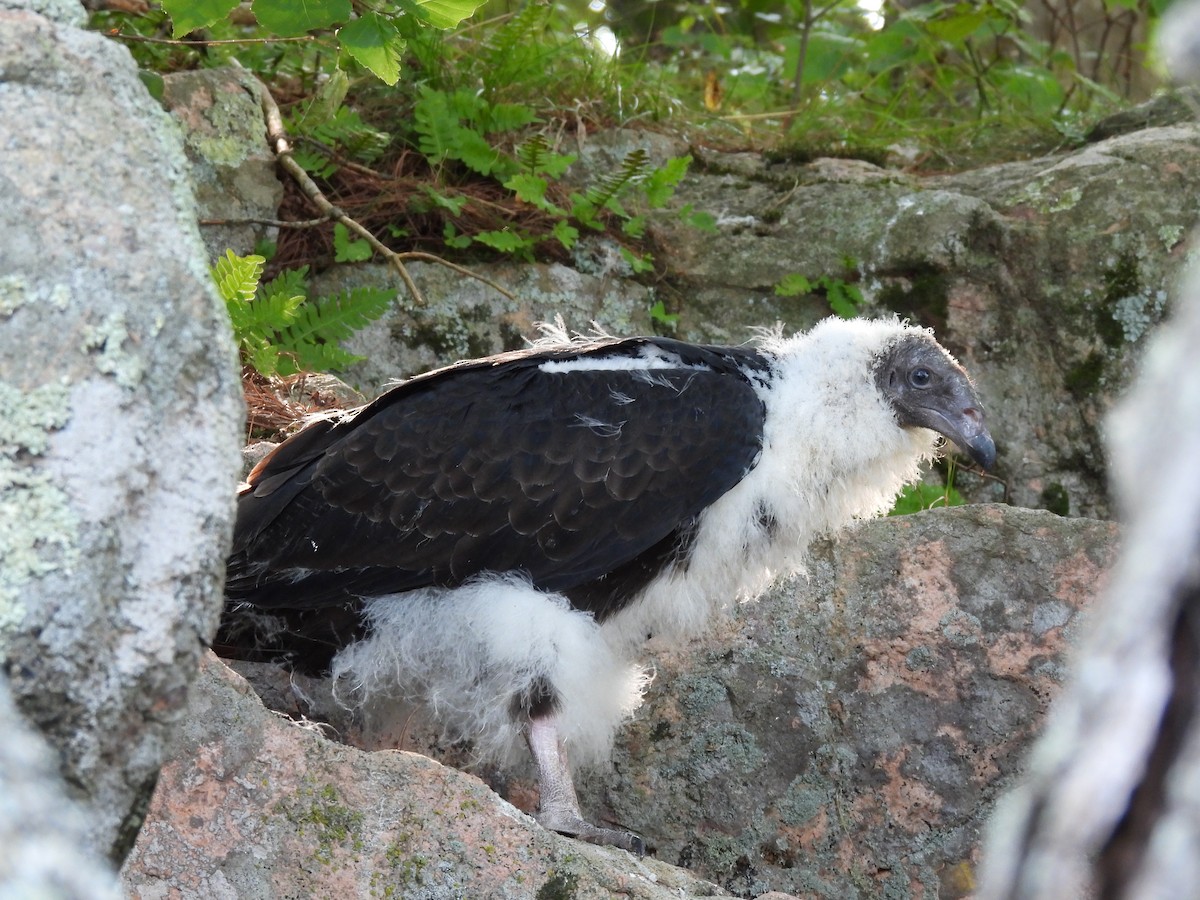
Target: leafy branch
[282,148]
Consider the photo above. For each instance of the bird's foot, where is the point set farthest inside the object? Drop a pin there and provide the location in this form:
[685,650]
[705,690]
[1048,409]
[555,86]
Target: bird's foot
[559,804]
[576,827]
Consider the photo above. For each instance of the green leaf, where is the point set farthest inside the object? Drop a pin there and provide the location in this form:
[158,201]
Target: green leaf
[793,286]
[154,83]
[532,189]
[704,221]
[454,205]
[916,497]
[1036,89]
[585,212]
[844,298]
[566,234]
[639,264]
[474,151]
[289,18]
[375,43]
[328,100]
[189,15]
[453,239]
[446,13]
[507,117]
[237,276]
[956,28]
[829,55]
[529,188]
[437,128]
[348,249]
[504,241]
[658,312]
[661,183]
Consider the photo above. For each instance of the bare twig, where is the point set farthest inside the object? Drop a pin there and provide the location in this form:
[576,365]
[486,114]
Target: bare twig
[277,223]
[282,148]
[143,39]
[420,256]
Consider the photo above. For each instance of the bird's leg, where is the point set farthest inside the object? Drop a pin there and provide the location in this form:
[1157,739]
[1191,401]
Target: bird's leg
[559,808]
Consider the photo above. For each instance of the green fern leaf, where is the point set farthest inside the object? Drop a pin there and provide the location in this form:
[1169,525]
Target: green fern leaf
[566,234]
[337,317]
[535,157]
[515,46]
[237,276]
[453,205]
[793,285]
[325,358]
[475,152]
[437,128]
[633,167]
[506,117]
[532,152]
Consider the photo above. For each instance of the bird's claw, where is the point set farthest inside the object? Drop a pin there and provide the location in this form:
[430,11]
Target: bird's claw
[581,830]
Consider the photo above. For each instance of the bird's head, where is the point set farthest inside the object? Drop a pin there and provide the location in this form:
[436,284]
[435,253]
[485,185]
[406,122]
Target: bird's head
[928,389]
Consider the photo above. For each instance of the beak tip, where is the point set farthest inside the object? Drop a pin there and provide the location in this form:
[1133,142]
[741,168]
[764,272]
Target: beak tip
[982,449]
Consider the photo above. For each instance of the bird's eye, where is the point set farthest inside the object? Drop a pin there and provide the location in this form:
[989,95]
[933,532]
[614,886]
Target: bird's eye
[920,378]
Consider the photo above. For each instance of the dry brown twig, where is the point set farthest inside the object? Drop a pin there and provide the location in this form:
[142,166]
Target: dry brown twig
[282,148]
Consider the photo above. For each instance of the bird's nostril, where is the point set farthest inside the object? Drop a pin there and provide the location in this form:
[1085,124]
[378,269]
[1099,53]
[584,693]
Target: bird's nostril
[973,414]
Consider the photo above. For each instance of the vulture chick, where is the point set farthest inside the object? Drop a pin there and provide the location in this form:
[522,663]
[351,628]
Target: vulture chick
[497,538]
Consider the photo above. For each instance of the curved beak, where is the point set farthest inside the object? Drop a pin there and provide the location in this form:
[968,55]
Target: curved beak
[965,427]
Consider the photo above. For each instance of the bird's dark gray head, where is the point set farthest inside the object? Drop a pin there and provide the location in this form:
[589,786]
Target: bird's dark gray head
[928,389]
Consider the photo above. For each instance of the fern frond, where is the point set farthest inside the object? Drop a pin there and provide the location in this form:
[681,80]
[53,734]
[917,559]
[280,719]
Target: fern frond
[344,131]
[509,48]
[506,117]
[633,168]
[436,126]
[237,276]
[532,152]
[320,326]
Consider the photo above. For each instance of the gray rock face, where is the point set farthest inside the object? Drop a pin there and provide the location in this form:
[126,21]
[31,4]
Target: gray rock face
[119,448]
[255,806]
[232,169]
[465,318]
[843,737]
[848,734]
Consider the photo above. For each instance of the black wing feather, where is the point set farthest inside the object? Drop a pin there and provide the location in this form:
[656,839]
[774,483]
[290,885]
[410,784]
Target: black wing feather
[498,466]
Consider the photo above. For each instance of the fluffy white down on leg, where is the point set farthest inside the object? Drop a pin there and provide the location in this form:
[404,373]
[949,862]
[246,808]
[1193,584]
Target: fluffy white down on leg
[467,652]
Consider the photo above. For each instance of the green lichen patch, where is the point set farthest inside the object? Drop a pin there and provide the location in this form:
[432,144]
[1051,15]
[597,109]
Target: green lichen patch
[38,528]
[15,293]
[800,803]
[319,810]
[107,341]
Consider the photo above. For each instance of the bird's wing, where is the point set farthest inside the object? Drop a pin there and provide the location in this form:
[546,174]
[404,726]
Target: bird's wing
[561,475]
